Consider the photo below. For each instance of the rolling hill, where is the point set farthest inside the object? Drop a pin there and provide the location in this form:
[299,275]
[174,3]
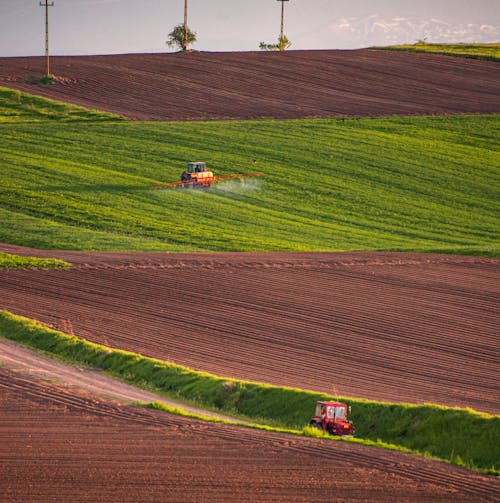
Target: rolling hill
[76,181]
[397,326]
[249,85]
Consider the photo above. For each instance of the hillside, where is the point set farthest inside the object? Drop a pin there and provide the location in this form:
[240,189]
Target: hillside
[73,446]
[397,326]
[245,85]
[407,184]
[383,325]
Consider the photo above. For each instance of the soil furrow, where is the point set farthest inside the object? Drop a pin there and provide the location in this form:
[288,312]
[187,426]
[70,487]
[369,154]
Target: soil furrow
[419,329]
[83,436]
[249,85]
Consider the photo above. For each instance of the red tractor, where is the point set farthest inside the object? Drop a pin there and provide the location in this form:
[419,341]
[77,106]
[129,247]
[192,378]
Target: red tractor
[332,418]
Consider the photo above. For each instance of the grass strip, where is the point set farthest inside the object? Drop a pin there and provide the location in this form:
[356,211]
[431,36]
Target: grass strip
[476,51]
[16,106]
[459,436]
[9,261]
[306,431]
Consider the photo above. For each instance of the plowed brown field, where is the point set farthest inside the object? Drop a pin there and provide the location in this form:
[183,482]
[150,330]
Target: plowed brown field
[204,85]
[61,445]
[385,326]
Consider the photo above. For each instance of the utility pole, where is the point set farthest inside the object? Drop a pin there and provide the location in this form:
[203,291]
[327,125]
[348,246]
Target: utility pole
[46,4]
[185,23]
[282,33]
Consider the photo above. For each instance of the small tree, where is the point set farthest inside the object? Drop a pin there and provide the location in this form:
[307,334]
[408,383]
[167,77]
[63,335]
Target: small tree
[181,38]
[283,44]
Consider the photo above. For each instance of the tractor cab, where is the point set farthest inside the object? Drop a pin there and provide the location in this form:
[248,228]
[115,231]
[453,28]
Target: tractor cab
[197,175]
[332,418]
[196,167]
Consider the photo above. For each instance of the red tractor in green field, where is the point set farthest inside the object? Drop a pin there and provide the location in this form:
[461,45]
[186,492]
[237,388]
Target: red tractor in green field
[332,418]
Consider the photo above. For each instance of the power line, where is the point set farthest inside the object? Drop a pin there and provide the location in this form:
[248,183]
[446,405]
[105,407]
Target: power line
[46,4]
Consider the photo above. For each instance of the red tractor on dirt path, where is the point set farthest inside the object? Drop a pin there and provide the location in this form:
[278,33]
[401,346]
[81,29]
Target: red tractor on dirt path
[332,418]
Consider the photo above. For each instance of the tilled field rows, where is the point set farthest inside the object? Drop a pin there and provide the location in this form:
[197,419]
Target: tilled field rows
[61,442]
[413,332]
[246,85]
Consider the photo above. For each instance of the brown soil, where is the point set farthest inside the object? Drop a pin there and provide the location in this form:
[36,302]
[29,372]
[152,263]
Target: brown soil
[385,326]
[203,85]
[69,446]
[17,357]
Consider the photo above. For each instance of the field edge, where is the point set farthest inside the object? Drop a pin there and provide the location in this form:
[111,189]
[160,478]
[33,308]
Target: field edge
[462,437]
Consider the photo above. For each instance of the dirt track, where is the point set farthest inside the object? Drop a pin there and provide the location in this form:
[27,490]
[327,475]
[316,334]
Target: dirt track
[203,85]
[70,446]
[397,327]
[19,358]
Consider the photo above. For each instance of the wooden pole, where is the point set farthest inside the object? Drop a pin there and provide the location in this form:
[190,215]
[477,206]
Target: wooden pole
[282,20]
[185,23]
[47,58]
[282,32]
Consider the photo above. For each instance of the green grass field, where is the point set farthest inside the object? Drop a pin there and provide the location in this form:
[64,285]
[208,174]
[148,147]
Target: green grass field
[477,51]
[16,106]
[460,436]
[9,261]
[407,184]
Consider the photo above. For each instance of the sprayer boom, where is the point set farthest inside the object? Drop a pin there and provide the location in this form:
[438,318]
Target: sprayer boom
[197,175]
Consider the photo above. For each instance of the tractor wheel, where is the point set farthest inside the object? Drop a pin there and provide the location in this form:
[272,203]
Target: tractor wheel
[316,425]
[333,432]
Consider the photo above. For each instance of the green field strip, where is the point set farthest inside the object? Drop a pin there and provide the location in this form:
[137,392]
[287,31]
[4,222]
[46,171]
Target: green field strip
[459,436]
[10,261]
[45,233]
[418,183]
[16,106]
[476,51]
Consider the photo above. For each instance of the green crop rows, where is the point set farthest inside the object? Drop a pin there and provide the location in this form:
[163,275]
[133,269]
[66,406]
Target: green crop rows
[16,106]
[9,261]
[477,51]
[408,184]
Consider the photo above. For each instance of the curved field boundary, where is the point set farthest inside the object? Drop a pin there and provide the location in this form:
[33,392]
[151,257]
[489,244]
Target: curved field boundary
[227,85]
[429,429]
[396,327]
[89,433]
[475,51]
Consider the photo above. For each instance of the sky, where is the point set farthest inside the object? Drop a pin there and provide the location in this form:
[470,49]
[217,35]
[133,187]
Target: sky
[79,27]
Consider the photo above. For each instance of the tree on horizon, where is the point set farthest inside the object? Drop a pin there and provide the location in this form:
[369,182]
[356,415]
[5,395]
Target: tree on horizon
[181,36]
[283,44]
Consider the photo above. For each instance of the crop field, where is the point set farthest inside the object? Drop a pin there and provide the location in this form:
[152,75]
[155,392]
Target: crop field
[479,51]
[249,85]
[417,429]
[71,446]
[369,273]
[398,326]
[408,184]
